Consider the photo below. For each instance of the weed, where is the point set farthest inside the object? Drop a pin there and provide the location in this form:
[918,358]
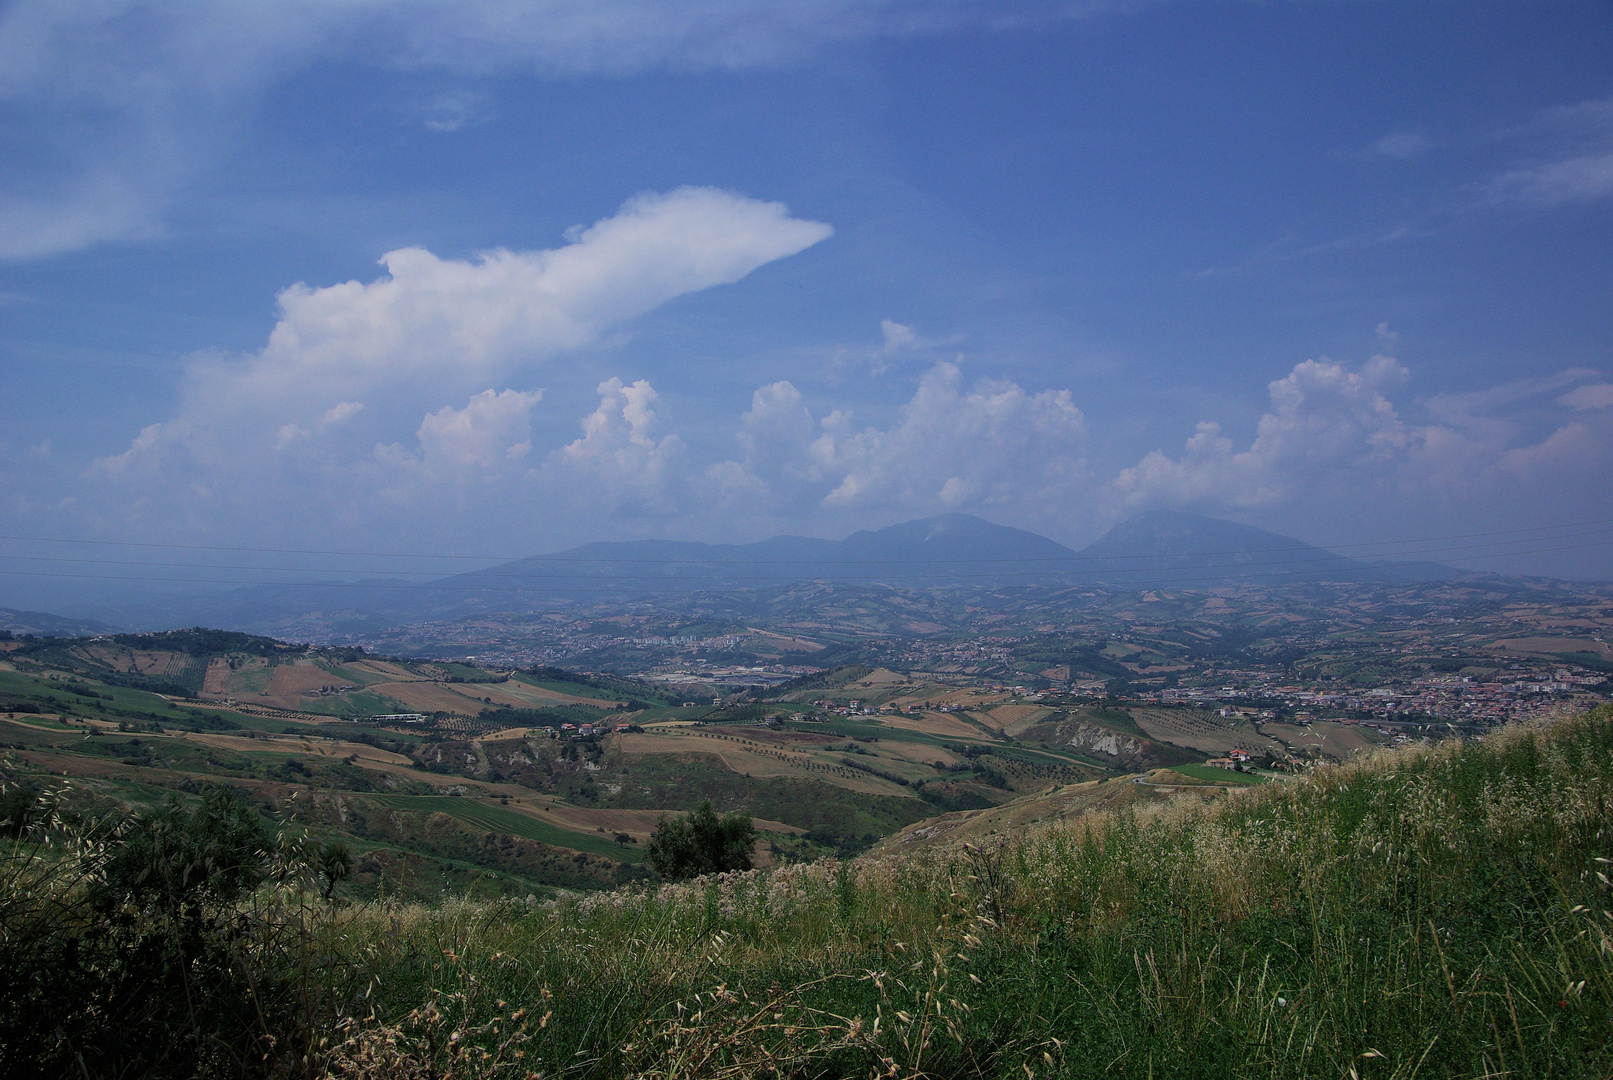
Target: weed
[1439,911]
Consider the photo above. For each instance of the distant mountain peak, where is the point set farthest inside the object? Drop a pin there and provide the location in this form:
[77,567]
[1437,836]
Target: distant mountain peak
[1177,547]
[1178,532]
[955,537]
[1154,549]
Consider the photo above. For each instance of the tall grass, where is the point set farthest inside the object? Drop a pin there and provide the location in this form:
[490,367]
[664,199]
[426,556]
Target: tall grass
[1439,911]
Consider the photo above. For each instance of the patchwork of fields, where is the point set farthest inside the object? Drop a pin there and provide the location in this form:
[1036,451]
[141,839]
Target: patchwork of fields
[487,791]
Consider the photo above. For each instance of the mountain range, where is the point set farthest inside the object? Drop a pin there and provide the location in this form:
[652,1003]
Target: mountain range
[47,625]
[1161,547]
[1157,549]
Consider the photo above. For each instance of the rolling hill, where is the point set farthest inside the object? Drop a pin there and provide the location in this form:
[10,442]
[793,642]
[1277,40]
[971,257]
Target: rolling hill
[47,625]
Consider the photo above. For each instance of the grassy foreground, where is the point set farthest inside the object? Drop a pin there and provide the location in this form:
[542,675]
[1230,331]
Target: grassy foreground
[1435,912]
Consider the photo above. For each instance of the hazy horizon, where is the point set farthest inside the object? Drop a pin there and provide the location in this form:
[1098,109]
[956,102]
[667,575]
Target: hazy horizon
[499,279]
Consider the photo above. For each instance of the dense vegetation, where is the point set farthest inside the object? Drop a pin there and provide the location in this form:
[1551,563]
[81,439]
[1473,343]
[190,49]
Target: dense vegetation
[1440,911]
[701,843]
[505,717]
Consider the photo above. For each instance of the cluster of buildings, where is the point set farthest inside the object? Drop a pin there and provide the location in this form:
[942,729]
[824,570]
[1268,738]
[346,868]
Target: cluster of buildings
[704,673]
[957,653]
[716,644]
[1452,698]
[849,708]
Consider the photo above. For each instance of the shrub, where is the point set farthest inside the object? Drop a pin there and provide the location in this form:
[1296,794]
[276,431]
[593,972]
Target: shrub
[125,952]
[182,859]
[19,808]
[701,843]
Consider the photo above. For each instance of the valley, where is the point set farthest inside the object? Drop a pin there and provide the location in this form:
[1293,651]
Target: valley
[939,675]
[455,775]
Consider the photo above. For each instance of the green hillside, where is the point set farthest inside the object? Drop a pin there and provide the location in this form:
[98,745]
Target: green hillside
[1439,911]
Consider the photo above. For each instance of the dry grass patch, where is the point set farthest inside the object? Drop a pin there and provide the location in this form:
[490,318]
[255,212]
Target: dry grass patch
[288,682]
[755,761]
[1059,804]
[430,697]
[525,695]
[1337,741]
[882,677]
[216,680]
[934,723]
[1202,730]
[1008,717]
[1550,645]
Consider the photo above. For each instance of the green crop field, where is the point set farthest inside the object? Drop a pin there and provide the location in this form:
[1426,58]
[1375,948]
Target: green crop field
[498,819]
[853,729]
[1218,776]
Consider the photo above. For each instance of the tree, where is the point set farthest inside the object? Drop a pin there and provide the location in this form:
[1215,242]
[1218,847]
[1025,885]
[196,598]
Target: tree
[20,807]
[701,843]
[182,858]
[335,864]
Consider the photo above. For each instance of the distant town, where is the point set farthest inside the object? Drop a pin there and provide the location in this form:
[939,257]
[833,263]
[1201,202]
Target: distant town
[1473,653]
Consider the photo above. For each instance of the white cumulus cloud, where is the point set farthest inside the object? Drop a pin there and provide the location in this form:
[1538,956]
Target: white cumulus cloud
[1334,445]
[505,306]
[896,335]
[952,446]
[433,328]
[341,412]
[621,463]
[494,428]
[458,457]
[1323,417]
[351,367]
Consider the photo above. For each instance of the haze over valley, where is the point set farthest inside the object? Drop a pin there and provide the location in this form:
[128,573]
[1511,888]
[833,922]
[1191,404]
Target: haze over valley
[611,540]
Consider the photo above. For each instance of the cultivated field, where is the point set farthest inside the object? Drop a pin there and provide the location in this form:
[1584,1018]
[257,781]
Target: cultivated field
[832,767]
[753,759]
[1202,730]
[1429,912]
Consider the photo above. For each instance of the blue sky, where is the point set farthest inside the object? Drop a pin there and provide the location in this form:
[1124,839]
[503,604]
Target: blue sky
[1339,269]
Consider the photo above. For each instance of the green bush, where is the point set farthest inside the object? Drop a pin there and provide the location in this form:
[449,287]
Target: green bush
[701,843]
[182,859]
[126,952]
